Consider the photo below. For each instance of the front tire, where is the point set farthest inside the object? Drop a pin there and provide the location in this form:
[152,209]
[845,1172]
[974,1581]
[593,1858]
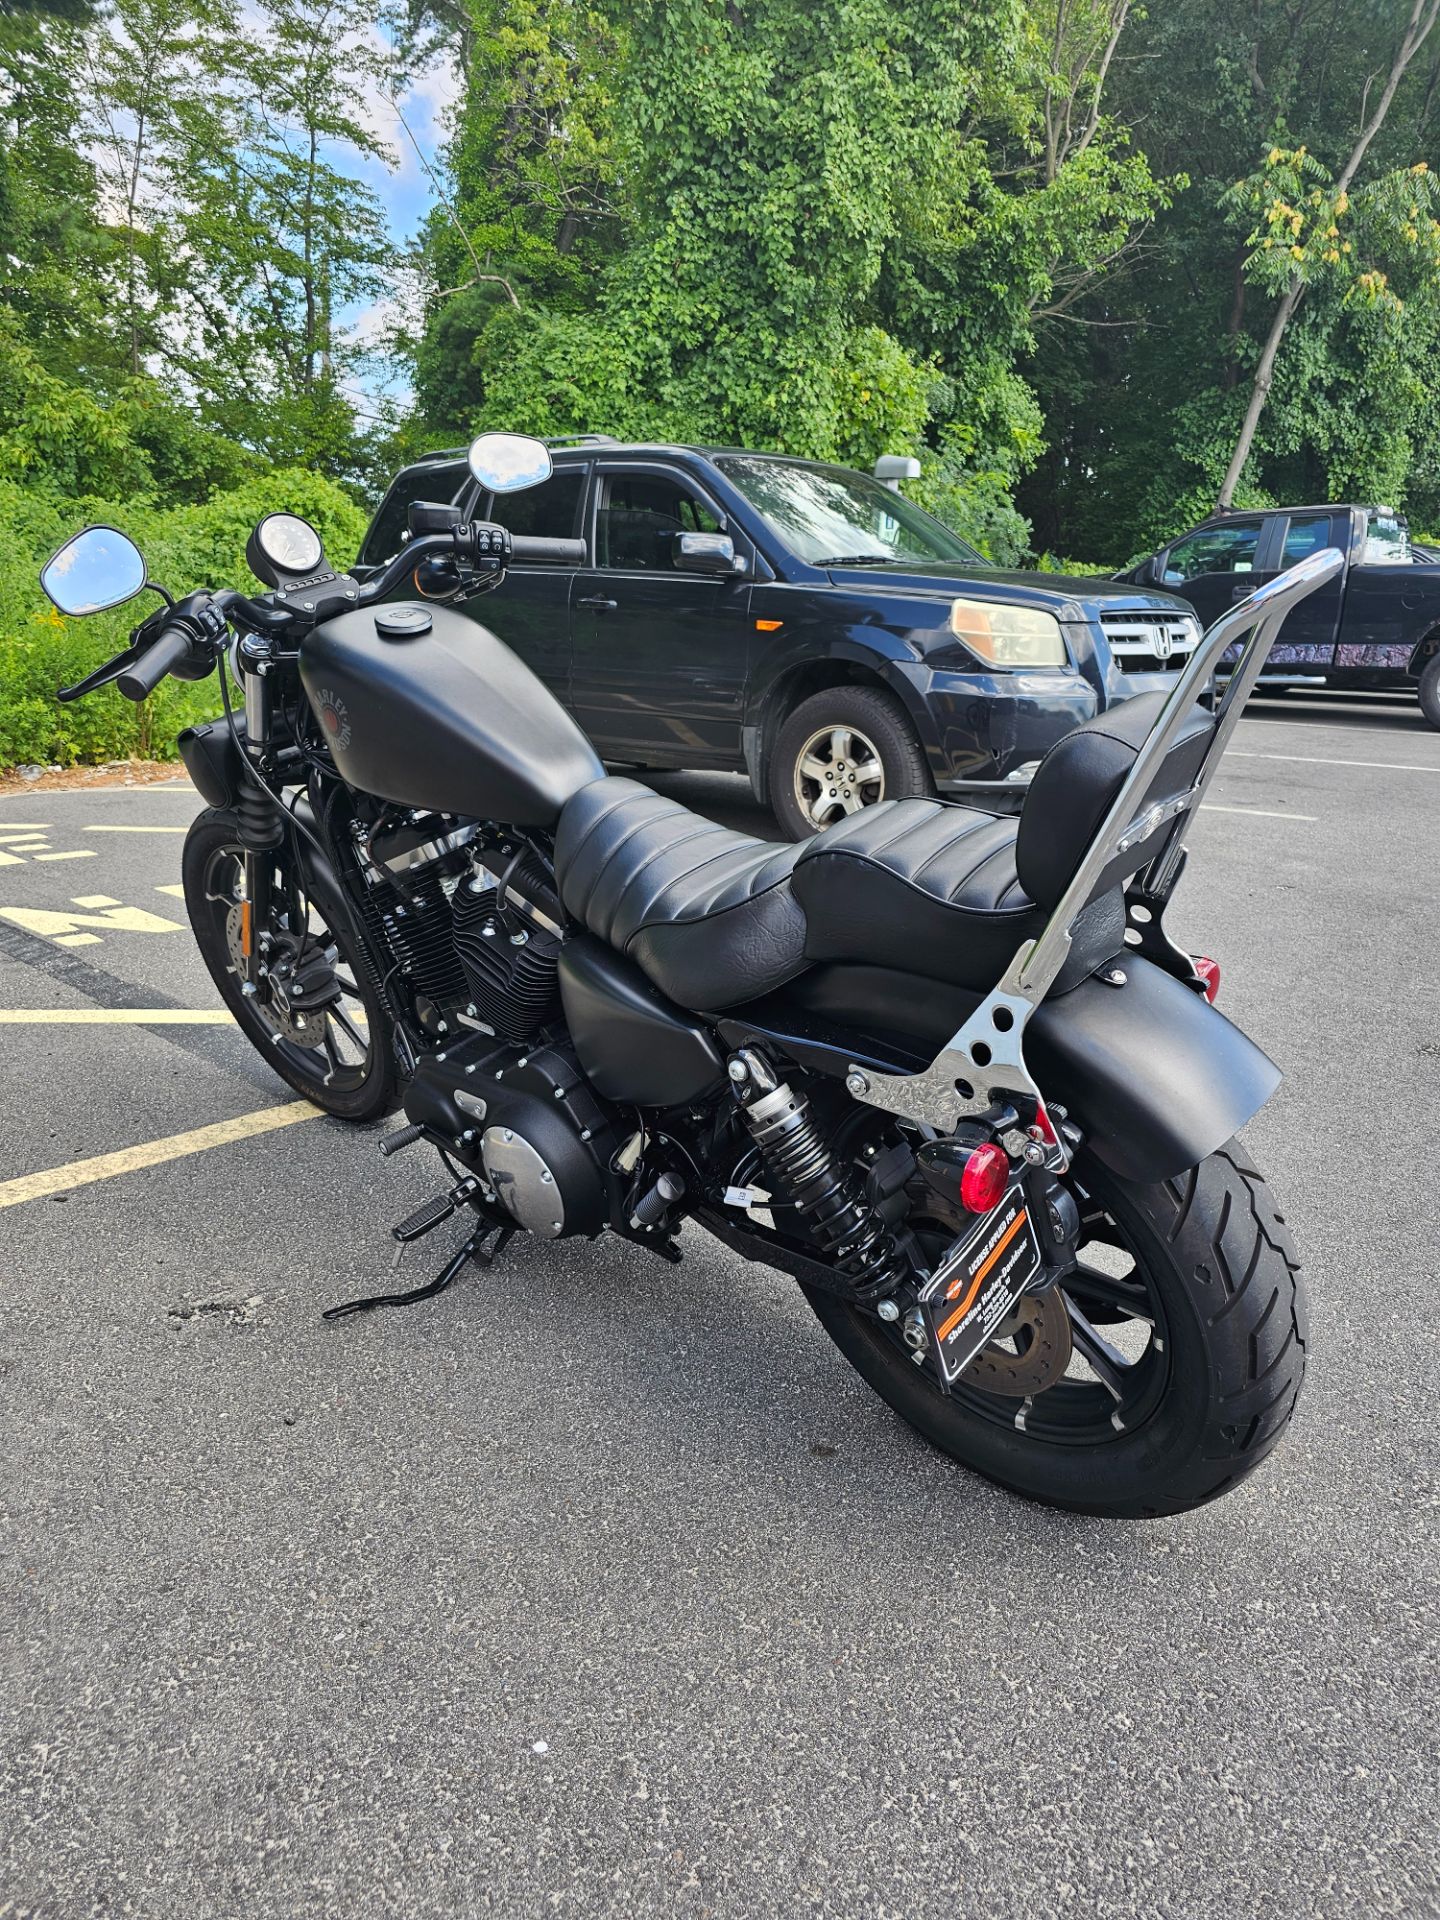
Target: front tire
[842,750]
[1199,1344]
[339,1057]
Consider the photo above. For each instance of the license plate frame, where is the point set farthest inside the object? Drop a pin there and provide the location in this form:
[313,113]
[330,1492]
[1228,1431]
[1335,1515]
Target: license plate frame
[981,1280]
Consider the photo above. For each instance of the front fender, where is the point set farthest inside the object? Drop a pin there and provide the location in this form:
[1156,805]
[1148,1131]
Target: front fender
[1153,1075]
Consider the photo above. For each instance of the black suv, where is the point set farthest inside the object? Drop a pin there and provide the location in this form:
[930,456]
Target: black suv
[828,637]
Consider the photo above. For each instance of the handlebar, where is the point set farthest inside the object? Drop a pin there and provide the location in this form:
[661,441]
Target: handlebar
[567,553]
[170,650]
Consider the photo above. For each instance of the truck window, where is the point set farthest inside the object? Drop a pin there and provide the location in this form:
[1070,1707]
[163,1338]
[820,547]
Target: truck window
[1305,535]
[547,511]
[1224,549]
[442,480]
[1387,540]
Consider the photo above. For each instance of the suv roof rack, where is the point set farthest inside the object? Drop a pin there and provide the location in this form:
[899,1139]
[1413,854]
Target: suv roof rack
[581,440]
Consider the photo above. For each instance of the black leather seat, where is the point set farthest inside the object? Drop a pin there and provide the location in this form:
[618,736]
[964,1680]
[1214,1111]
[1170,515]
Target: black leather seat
[708,914]
[717,918]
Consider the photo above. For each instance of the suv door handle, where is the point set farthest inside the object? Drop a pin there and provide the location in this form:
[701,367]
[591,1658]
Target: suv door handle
[598,602]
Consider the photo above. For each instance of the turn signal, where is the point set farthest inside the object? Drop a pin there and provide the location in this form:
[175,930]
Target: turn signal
[986,1176]
[1209,972]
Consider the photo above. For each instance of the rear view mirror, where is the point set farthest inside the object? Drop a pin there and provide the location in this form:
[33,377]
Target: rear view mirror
[98,568]
[509,462]
[712,553]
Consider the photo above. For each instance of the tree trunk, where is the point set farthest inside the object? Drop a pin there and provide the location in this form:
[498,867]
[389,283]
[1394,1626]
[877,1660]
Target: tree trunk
[1259,392]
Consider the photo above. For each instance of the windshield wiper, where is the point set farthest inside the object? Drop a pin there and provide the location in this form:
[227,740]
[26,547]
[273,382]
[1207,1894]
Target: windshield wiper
[854,560]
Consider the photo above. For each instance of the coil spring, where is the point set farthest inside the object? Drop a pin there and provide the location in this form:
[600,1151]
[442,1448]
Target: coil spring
[823,1191]
[257,817]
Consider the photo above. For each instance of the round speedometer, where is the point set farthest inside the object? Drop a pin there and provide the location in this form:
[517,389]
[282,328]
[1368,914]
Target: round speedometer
[290,544]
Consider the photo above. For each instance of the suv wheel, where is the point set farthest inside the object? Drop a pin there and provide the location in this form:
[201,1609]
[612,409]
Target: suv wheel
[841,750]
[1429,690]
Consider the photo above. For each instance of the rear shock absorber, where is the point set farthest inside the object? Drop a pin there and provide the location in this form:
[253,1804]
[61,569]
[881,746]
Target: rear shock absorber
[823,1191]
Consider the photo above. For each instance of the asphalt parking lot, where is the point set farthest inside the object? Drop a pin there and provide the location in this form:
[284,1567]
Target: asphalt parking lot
[602,1587]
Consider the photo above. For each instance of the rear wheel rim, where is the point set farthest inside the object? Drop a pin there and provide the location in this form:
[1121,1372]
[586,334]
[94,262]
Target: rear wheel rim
[1119,1371]
[837,771]
[331,1045]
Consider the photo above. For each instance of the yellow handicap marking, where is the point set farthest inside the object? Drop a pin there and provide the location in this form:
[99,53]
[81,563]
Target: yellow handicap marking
[98,910]
[19,844]
[177,888]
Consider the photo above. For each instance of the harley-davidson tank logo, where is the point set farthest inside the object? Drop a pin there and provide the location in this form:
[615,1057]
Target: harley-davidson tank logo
[334,717]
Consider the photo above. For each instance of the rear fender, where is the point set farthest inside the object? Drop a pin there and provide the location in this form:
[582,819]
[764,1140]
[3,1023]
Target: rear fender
[1155,1078]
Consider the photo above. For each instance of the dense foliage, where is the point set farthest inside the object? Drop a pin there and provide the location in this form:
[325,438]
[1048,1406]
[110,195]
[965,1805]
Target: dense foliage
[1096,264]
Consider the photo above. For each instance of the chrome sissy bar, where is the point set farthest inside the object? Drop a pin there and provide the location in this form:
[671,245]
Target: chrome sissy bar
[982,1066]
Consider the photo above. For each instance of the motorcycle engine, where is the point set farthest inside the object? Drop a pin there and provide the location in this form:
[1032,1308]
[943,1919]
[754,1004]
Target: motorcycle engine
[474,928]
[530,1124]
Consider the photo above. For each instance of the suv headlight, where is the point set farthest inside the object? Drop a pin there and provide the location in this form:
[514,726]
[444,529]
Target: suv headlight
[1009,636]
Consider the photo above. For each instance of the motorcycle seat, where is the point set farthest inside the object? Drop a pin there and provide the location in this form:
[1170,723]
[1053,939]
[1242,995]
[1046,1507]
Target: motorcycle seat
[716,918]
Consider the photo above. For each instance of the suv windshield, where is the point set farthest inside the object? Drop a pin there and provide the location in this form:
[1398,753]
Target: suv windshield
[832,515]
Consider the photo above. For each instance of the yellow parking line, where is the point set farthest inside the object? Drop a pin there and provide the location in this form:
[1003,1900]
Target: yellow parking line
[34,1186]
[113,829]
[81,853]
[115,1016]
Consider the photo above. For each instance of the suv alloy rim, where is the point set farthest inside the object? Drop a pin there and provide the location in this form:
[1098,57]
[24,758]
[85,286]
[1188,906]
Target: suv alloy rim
[837,771]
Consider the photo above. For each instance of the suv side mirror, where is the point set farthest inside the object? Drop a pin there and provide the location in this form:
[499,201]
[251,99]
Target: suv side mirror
[712,553]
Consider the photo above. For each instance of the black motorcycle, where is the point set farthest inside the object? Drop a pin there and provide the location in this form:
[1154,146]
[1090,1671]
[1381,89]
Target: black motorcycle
[944,1069]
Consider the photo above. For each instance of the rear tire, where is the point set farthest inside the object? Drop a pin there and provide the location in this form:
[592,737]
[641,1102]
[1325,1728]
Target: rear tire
[345,1063]
[1222,1368]
[863,738]
[1429,691]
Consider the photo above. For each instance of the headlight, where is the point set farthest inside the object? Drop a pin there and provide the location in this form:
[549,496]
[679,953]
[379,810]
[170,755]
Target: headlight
[1008,636]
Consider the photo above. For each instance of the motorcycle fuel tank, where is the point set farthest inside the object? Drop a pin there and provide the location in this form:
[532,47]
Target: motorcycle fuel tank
[426,708]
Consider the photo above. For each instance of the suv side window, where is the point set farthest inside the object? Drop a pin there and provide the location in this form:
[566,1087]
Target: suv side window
[1305,535]
[638,517]
[441,480]
[547,511]
[1224,549]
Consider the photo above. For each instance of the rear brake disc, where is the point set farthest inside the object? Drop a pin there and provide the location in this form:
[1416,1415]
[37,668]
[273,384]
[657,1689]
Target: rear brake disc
[1031,1348]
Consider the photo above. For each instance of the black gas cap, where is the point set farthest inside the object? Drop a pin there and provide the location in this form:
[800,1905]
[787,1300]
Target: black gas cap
[405,622]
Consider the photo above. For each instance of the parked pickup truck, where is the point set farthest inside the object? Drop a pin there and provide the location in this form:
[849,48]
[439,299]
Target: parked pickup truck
[1377,624]
[801,622]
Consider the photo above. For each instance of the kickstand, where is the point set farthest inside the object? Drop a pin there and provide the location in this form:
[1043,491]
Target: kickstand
[472,1249]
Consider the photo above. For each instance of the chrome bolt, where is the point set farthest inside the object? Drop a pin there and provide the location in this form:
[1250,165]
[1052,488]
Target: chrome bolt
[1115,976]
[889,1310]
[559,1093]
[856,1083]
[914,1332]
[1034,1154]
[508,1135]
[738,1071]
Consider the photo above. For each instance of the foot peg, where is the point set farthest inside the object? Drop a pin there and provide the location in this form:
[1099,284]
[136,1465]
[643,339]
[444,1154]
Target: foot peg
[402,1137]
[426,1218]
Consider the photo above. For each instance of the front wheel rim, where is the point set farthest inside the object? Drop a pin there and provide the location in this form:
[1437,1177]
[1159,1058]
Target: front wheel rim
[837,771]
[333,1045]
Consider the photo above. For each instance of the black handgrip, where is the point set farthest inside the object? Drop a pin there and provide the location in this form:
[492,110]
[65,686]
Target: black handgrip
[170,650]
[529,546]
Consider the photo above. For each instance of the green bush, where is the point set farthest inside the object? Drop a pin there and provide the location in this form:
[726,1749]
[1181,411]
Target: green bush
[185,547]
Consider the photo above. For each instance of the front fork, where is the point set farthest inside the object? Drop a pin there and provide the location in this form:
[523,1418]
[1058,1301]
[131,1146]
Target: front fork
[261,828]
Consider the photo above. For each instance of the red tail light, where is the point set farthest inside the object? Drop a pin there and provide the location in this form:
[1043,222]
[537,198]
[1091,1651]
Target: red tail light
[1209,972]
[986,1176]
